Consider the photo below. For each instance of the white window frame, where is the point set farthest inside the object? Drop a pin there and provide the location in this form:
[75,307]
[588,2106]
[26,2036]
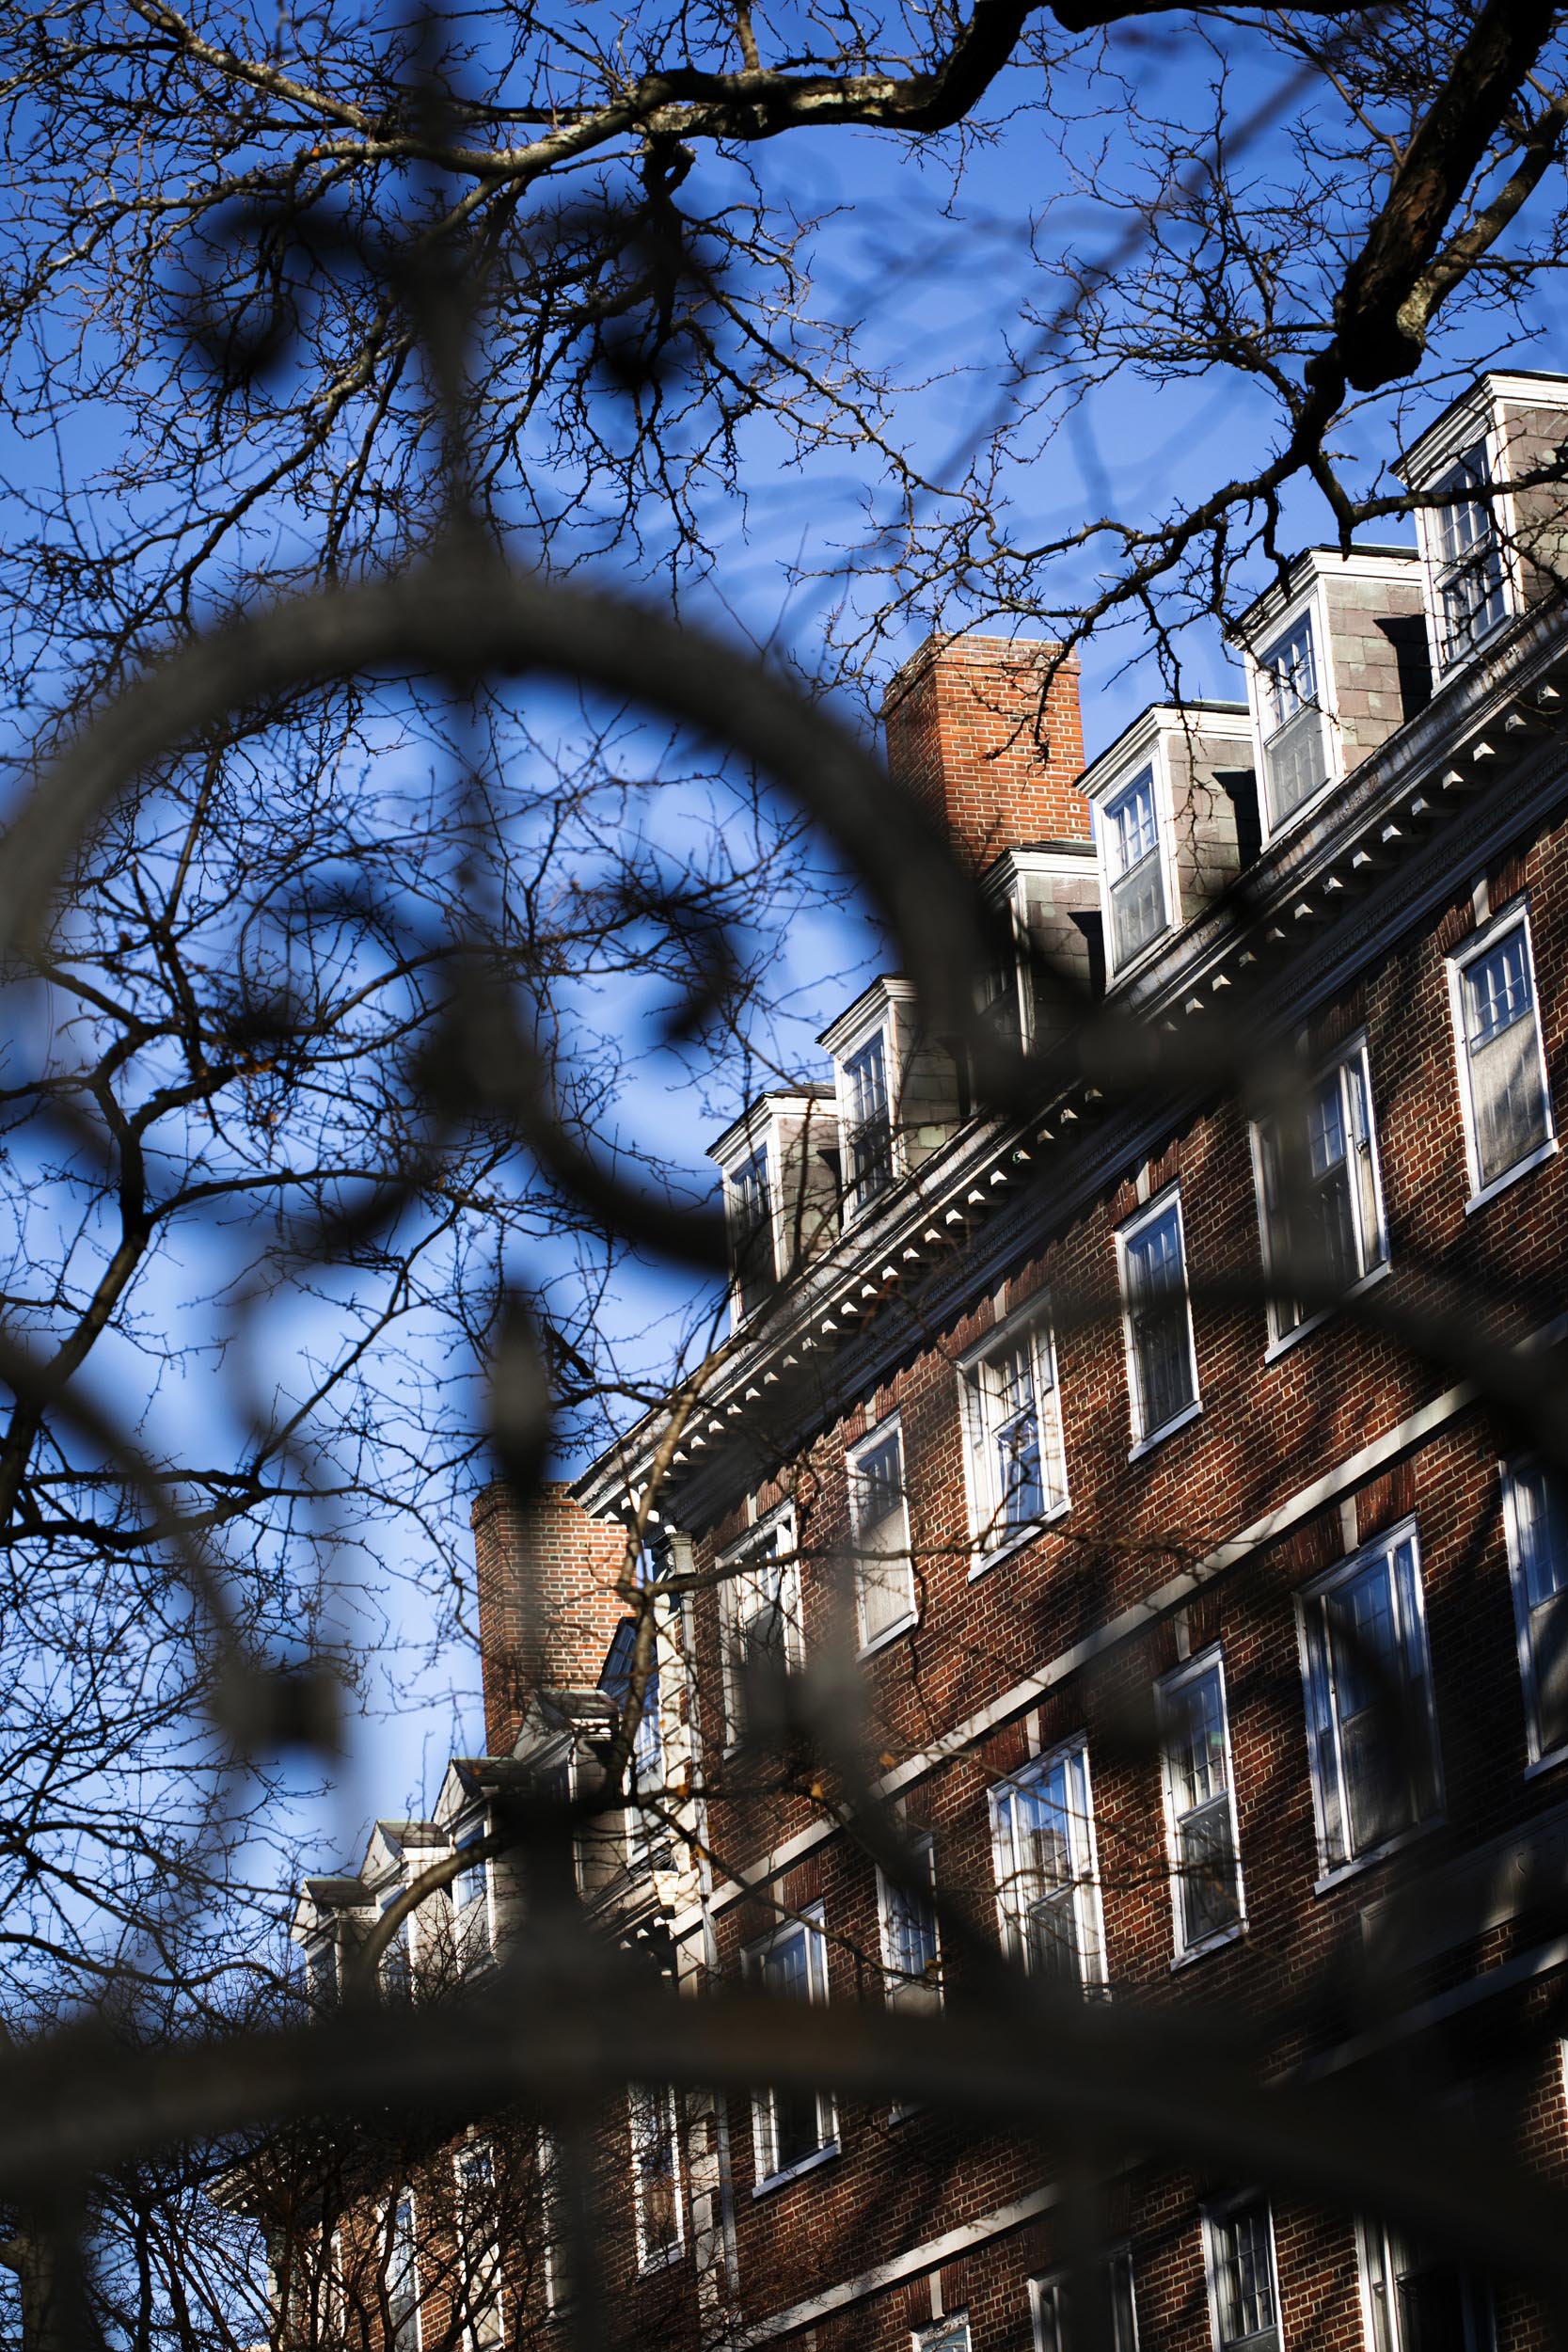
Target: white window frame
[950,2333]
[395,1976]
[1089,1922]
[324,1969]
[1516,915]
[1482,2338]
[901,1991]
[1333,1866]
[1168,1692]
[1374,1249]
[399,2337]
[1029,1326]
[481,2277]
[769,2174]
[857,1203]
[1045,2304]
[890,1430]
[1312,607]
[467,1920]
[772,1534]
[1144,1436]
[646,1770]
[648,2101]
[1540,1757]
[1218,2216]
[1472,433]
[1152,759]
[546,2157]
[744,1309]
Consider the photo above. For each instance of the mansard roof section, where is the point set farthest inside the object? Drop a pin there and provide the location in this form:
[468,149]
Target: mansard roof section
[744,1132]
[1473,410]
[1386,846]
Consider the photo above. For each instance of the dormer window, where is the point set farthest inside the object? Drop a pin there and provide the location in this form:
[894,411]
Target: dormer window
[1138,910]
[752,1230]
[321,1972]
[1295,741]
[470,1899]
[870,1123]
[1470,580]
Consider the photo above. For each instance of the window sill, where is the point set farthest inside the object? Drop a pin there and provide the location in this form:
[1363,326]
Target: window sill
[887,1638]
[795,2171]
[652,2266]
[1166,1429]
[1543,1152]
[984,1561]
[1217,1943]
[1548,1763]
[1328,1879]
[1276,1348]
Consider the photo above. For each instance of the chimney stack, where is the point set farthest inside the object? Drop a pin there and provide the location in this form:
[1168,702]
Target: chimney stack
[548,1606]
[967,739]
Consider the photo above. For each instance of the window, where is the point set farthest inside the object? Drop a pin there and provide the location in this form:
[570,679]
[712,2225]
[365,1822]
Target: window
[1050,2301]
[1467,557]
[950,2334]
[321,1972]
[1244,2301]
[1132,863]
[1370,1729]
[1200,1806]
[870,1123]
[403,2277]
[1296,737]
[760,1601]
[1162,1371]
[397,1961]
[1042,1832]
[552,2233]
[1417,2302]
[470,1900]
[1503,1067]
[656,2174]
[478,2237]
[1537,1526]
[751,1232]
[1012,1419]
[1323,1207]
[912,1962]
[647,1776]
[790,2127]
[880,1527]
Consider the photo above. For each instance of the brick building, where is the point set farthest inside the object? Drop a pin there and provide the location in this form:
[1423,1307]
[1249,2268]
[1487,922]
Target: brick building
[1164,1461]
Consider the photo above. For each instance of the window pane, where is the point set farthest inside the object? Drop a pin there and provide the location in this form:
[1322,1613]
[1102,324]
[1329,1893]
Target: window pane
[1541,1533]
[790,1969]
[870,1126]
[1471,595]
[752,1228]
[910,1943]
[1507,1095]
[1370,1704]
[885,1581]
[1244,2276]
[1157,1310]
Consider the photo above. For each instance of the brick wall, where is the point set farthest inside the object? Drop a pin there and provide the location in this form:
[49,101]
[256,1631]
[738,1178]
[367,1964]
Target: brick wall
[968,738]
[1266,1430]
[546,1575]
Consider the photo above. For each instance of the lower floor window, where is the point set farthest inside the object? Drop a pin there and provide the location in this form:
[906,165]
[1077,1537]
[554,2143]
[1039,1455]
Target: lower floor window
[1116,2325]
[1417,2301]
[943,2335]
[1241,2289]
[655,2173]
[789,2127]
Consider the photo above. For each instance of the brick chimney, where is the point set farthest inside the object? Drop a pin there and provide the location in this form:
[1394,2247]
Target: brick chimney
[966,736]
[546,1575]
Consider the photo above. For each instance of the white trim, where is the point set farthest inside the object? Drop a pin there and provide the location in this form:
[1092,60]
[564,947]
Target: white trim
[891,1426]
[931,2255]
[1206,1662]
[1355,1048]
[1150,1213]
[1306,1500]
[1309,602]
[1514,916]
[729,1570]
[1150,754]
[1093,1972]
[1032,1321]
[1214,2212]
[401,2337]
[480,2152]
[1537,1758]
[655,2096]
[1416,1660]
[810,1923]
